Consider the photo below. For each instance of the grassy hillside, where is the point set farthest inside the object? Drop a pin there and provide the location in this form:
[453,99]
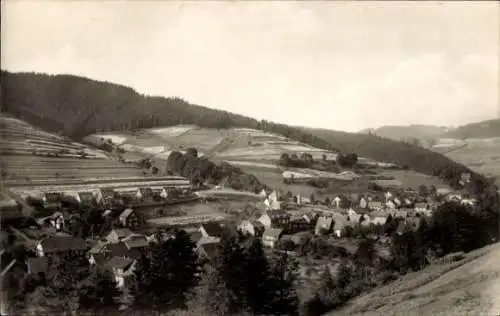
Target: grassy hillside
[80,106]
[484,129]
[400,132]
[469,286]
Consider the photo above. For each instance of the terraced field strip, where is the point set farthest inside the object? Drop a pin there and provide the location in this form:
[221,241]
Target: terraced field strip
[98,181]
[83,187]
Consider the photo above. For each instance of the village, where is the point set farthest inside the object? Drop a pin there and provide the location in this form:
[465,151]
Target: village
[110,227]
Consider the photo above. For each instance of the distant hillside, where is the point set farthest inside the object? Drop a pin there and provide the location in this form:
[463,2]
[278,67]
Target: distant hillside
[83,106]
[484,129]
[400,132]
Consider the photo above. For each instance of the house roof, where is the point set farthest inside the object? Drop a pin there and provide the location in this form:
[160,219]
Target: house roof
[210,250]
[122,232]
[63,243]
[118,263]
[195,236]
[273,232]
[136,241]
[213,229]
[324,222]
[100,258]
[420,205]
[339,221]
[126,213]
[121,250]
[37,265]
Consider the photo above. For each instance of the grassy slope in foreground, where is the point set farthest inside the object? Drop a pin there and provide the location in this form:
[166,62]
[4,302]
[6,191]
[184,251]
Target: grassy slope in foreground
[467,287]
[81,106]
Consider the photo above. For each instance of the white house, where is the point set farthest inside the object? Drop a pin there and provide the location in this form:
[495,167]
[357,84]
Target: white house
[271,236]
[363,203]
[263,193]
[122,268]
[336,201]
[390,204]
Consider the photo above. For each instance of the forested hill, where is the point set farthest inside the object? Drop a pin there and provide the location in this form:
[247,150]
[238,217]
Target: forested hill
[484,129]
[79,106]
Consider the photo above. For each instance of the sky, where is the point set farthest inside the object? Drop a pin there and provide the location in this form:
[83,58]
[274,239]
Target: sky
[336,65]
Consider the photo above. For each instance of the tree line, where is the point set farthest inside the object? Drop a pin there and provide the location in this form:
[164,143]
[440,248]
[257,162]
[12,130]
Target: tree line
[200,170]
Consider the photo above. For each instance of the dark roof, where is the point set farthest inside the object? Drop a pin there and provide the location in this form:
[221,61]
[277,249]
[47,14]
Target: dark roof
[136,241]
[118,263]
[117,250]
[122,232]
[100,258]
[120,250]
[195,236]
[63,243]
[210,250]
[273,232]
[37,265]
[213,229]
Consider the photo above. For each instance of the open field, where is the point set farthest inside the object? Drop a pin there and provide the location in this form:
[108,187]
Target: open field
[481,155]
[410,179]
[466,287]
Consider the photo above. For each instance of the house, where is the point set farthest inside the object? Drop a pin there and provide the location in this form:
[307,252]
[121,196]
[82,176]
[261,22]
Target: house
[375,205]
[273,197]
[195,236]
[363,203]
[98,259]
[365,220]
[323,225]
[58,245]
[336,202]
[57,221]
[391,204]
[443,191]
[272,204]
[299,223]
[302,200]
[397,202]
[118,234]
[212,229]
[37,265]
[136,241]
[120,249]
[277,219]
[403,227]
[271,236]
[339,223]
[387,195]
[122,269]
[251,228]
[420,207]
[378,219]
[263,194]
[129,218]
[468,202]
[208,251]
[86,198]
